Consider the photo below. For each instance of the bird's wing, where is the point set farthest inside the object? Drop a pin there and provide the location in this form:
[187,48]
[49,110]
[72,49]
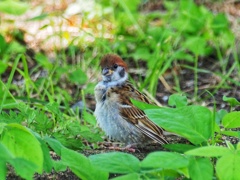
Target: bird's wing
[136,116]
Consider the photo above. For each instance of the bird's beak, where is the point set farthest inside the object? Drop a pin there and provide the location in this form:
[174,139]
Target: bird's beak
[107,72]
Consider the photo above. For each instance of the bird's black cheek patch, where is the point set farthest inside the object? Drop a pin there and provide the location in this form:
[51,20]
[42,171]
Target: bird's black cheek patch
[122,73]
[104,97]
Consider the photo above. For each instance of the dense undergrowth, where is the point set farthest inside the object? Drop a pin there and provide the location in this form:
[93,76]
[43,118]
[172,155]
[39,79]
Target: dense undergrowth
[37,92]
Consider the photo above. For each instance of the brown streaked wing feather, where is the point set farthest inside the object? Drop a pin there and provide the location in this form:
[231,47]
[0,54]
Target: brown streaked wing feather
[136,116]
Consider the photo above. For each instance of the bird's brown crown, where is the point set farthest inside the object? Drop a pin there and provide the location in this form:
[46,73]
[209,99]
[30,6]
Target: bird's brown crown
[110,60]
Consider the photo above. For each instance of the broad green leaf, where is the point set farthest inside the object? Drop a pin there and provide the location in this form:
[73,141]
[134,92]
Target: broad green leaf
[191,122]
[220,23]
[54,144]
[90,118]
[141,105]
[2,124]
[177,100]
[24,168]
[78,76]
[47,163]
[165,160]
[59,165]
[238,146]
[132,176]
[230,145]
[228,166]
[44,61]
[200,168]
[81,165]
[3,66]
[197,45]
[22,144]
[209,151]
[219,115]
[232,101]
[231,120]
[231,133]
[5,154]
[184,171]
[3,169]
[116,162]
[181,148]
[13,7]
[182,55]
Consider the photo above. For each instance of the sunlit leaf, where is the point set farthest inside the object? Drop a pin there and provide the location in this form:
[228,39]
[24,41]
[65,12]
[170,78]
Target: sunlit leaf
[200,168]
[181,148]
[78,76]
[209,151]
[177,100]
[231,120]
[81,165]
[22,144]
[232,101]
[165,160]
[13,7]
[191,122]
[228,166]
[116,162]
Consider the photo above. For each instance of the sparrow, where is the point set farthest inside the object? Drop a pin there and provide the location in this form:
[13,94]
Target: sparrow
[115,113]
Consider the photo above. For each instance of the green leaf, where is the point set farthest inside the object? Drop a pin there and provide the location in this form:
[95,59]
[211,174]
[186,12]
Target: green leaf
[142,105]
[5,154]
[59,165]
[54,144]
[238,146]
[232,101]
[13,7]
[191,122]
[200,168]
[47,163]
[81,165]
[177,100]
[78,76]
[209,151]
[3,45]
[181,148]
[219,115]
[231,133]
[43,61]
[181,55]
[165,160]
[197,45]
[89,118]
[131,5]
[116,162]
[228,166]
[39,17]
[230,145]
[3,65]
[3,169]
[22,144]
[24,168]
[132,176]
[231,120]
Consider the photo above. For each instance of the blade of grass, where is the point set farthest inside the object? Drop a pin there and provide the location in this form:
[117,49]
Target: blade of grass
[131,17]
[14,67]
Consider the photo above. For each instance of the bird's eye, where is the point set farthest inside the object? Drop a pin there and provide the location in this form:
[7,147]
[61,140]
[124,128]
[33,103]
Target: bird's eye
[115,66]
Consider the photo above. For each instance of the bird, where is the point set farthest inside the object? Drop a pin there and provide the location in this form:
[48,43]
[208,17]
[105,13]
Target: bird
[115,113]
